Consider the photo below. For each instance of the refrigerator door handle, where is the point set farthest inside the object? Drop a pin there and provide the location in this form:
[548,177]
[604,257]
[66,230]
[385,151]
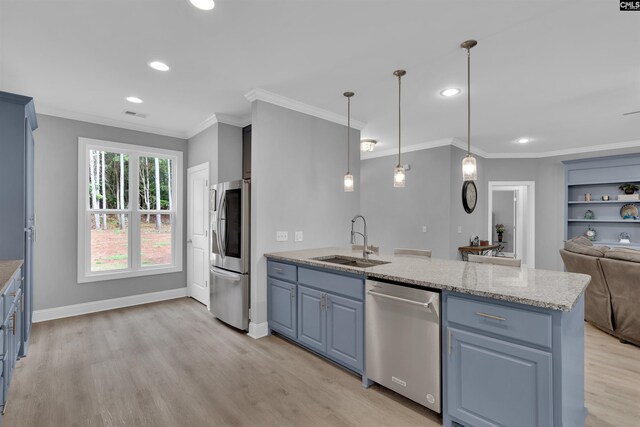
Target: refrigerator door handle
[225,274]
[221,209]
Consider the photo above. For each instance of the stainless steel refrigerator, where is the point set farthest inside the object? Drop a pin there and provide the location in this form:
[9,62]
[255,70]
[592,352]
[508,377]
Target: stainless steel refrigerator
[230,219]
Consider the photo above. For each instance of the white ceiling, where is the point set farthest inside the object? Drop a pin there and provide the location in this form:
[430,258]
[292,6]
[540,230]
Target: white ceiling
[560,72]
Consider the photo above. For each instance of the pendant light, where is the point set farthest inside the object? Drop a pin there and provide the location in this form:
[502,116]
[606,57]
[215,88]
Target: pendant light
[348,178]
[399,172]
[469,168]
[367,145]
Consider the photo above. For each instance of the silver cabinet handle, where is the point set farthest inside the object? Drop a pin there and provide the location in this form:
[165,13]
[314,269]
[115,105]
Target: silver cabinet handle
[450,334]
[292,292]
[278,270]
[189,241]
[491,316]
[408,301]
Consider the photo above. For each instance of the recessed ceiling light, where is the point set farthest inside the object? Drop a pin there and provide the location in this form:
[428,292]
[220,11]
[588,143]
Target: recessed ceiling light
[523,140]
[203,4]
[134,99]
[160,66]
[452,91]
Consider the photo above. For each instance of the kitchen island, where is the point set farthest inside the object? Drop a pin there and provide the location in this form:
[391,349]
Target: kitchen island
[512,339]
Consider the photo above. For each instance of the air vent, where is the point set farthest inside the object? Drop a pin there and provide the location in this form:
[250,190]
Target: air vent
[632,112]
[135,114]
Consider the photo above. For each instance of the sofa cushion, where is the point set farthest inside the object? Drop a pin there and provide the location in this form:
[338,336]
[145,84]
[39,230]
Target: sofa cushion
[624,254]
[584,246]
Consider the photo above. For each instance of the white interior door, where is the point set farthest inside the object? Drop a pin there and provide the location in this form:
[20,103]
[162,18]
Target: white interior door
[198,233]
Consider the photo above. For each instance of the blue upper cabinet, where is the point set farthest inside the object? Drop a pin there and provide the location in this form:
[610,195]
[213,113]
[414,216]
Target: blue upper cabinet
[17,122]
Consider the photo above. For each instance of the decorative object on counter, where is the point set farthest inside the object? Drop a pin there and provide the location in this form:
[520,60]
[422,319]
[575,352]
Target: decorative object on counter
[484,243]
[587,197]
[348,177]
[629,211]
[469,167]
[605,198]
[624,237]
[589,214]
[500,229]
[474,241]
[629,188]
[367,145]
[398,172]
[591,233]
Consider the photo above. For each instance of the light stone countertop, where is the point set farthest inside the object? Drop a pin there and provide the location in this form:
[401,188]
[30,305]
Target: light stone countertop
[7,270]
[540,288]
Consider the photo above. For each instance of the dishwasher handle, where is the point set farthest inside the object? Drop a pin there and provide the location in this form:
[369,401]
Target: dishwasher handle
[427,304]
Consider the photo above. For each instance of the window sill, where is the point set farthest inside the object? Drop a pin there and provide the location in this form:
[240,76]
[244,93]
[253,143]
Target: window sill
[116,275]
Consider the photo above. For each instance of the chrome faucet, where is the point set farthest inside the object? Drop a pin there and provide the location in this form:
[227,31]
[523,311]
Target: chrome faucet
[365,250]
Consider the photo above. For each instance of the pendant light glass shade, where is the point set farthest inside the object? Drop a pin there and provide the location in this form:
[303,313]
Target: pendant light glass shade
[399,172]
[367,145]
[348,182]
[348,177]
[398,177]
[469,168]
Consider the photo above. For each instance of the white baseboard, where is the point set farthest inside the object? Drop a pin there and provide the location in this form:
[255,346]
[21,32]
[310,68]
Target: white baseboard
[108,304]
[258,330]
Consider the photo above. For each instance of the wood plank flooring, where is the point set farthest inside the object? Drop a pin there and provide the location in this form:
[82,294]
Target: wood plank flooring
[172,364]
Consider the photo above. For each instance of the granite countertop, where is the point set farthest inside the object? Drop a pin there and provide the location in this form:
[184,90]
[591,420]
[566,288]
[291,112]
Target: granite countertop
[7,270]
[540,288]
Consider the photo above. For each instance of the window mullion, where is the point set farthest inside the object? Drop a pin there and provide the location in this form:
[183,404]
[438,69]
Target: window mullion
[134,219]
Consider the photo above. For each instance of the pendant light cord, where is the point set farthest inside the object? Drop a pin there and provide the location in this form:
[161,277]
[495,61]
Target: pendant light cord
[468,101]
[399,117]
[348,131]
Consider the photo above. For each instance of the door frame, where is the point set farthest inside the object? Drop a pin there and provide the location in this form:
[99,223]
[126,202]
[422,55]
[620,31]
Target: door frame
[198,168]
[526,209]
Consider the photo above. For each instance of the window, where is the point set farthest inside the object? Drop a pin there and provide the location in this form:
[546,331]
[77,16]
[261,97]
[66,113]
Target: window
[129,210]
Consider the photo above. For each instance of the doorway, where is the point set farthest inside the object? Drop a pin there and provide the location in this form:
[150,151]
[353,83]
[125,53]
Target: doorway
[198,233]
[512,204]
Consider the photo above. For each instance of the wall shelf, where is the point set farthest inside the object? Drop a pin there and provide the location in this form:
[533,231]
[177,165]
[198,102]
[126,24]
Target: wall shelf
[601,177]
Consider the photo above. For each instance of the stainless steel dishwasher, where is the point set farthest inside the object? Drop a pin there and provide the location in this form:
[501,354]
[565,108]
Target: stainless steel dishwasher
[403,341]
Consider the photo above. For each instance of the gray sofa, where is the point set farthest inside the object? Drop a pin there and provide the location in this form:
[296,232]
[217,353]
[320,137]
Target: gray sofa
[612,299]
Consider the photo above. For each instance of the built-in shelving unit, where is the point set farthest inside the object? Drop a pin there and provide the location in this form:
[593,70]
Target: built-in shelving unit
[601,177]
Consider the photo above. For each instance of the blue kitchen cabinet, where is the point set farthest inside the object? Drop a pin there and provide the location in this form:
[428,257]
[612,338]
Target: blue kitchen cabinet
[312,318]
[509,364]
[320,310]
[11,331]
[282,308]
[345,331]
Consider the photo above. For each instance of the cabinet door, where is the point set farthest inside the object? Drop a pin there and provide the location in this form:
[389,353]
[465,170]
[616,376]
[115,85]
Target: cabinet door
[345,331]
[312,319]
[282,307]
[492,382]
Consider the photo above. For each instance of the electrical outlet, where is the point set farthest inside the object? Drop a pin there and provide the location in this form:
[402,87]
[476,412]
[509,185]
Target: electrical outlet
[282,236]
[298,236]
[424,228]
[459,229]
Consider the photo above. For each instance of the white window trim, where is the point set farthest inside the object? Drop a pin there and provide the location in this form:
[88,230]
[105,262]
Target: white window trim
[84,257]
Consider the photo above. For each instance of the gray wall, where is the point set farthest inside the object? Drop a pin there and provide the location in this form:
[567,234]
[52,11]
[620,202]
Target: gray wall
[203,147]
[395,216]
[221,146]
[56,198]
[298,166]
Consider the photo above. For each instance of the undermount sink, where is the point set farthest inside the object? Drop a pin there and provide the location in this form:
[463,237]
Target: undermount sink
[350,261]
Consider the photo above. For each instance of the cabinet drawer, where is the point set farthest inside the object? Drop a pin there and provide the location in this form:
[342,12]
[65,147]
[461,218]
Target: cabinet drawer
[282,271]
[528,326]
[336,283]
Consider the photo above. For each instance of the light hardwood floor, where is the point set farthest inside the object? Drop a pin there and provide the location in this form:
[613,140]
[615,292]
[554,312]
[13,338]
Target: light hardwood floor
[172,364]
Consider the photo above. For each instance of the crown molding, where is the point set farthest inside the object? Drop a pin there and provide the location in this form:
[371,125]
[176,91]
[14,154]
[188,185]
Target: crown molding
[475,150]
[122,124]
[407,148]
[219,118]
[301,107]
[567,151]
